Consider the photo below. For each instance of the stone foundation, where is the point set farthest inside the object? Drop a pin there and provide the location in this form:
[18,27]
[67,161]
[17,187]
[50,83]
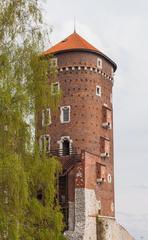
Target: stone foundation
[71,218]
[85,212]
[109,229]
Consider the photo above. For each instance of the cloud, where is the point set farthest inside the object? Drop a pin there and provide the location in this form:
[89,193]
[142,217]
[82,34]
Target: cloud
[141,187]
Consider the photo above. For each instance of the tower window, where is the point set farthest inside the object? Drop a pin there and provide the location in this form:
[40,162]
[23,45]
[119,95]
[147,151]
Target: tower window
[100,173]
[54,62]
[99,63]
[46,117]
[65,114]
[106,118]
[105,147]
[98,91]
[109,178]
[55,88]
[44,143]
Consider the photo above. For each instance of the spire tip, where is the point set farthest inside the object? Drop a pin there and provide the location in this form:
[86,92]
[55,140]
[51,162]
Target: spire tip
[74,24]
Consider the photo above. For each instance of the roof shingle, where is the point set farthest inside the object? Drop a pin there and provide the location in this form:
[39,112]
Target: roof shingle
[74,41]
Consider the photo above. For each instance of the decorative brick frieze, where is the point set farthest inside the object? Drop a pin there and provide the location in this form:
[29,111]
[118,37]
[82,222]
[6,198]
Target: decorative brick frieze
[84,68]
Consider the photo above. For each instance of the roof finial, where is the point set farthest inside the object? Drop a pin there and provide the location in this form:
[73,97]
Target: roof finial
[74,24]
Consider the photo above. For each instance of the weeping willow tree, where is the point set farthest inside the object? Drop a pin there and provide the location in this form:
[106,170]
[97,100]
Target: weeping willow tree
[24,87]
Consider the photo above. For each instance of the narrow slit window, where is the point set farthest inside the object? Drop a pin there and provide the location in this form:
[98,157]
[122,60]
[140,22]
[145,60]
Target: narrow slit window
[98,91]
[99,63]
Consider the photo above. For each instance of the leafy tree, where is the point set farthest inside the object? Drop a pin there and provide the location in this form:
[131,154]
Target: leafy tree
[24,91]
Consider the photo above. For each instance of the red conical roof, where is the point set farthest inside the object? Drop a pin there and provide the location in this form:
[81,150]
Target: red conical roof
[74,41]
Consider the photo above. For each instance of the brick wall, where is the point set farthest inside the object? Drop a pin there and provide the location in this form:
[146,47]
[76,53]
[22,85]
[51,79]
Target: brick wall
[85,129]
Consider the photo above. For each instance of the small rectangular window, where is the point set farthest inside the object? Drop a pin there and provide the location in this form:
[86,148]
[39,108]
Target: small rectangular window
[99,63]
[54,62]
[65,114]
[105,147]
[100,172]
[44,143]
[46,117]
[98,91]
[106,118]
[55,88]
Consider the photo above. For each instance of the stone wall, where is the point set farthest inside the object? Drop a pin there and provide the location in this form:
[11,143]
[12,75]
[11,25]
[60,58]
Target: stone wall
[109,229]
[85,216]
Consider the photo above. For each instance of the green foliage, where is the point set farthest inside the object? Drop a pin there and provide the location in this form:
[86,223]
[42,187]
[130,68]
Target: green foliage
[24,89]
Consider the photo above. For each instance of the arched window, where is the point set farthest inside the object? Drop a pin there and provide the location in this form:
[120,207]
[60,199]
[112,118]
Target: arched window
[65,146]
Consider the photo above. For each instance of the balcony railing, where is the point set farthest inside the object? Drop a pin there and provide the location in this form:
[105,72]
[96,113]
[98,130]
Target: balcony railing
[63,153]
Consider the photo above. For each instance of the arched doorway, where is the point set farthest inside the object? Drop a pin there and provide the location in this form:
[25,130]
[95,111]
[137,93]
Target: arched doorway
[66,147]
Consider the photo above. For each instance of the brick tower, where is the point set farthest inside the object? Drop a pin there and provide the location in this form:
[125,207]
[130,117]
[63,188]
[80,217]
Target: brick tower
[81,134]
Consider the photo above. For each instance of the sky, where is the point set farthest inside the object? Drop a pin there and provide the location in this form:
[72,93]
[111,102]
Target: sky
[119,28]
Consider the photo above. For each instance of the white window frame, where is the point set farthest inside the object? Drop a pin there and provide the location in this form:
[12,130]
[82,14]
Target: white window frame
[52,87]
[60,142]
[54,62]
[62,115]
[44,138]
[99,63]
[44,124]
[98,94]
